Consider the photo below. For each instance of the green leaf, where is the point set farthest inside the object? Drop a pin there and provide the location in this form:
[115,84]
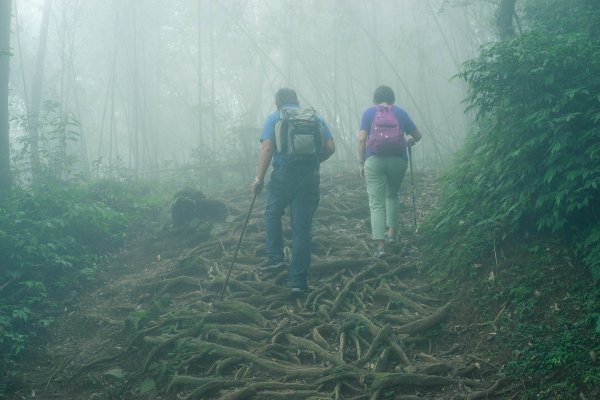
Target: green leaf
[116,373]
[22,313]
[148,385]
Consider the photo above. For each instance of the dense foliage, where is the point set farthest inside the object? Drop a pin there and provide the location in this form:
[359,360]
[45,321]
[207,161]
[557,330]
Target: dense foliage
[52,240]
[533,162]
[530,169]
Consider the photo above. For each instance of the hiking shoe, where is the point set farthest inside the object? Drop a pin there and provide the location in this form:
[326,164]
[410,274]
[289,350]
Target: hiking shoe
[379,253]
[298,292]
[390,240]
[270,265]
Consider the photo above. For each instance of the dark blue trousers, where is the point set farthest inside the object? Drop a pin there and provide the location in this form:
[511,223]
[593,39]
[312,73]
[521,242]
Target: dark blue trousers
[299,189]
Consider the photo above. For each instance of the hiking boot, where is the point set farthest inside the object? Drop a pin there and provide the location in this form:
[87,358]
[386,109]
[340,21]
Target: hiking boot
[379,253]
[299,292]
[271,265]
[390,240]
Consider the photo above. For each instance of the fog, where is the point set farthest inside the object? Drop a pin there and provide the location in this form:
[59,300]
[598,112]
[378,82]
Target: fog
[147,86]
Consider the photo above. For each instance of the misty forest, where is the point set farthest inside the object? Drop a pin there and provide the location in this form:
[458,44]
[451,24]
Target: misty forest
[133,235]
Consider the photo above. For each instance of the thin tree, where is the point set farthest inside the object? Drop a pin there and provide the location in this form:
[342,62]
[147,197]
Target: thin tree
[213,116]
[135,140]
[109,98]
[201,140]
[504,19]
[36,93]
[5,19]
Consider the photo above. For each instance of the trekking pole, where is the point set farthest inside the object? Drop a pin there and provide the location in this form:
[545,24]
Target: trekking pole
[238,247]
[412,184]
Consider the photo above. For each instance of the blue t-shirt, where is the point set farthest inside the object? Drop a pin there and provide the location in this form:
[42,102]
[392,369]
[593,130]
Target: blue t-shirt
[268,133]
[406,124]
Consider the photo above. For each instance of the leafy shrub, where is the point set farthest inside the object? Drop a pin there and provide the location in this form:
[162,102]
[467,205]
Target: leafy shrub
[52,239]
[531,170]
[534,161]
[588,249]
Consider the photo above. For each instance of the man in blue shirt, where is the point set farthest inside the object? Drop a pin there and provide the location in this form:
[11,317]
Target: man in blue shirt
[294,182]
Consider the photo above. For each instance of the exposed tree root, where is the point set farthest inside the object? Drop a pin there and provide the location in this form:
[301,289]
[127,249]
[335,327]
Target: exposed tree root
[428,322]
[395,296]
[273,367]
[360,333]
[194,330]
[312,346]
[487,392]
[379,340]
[382,381]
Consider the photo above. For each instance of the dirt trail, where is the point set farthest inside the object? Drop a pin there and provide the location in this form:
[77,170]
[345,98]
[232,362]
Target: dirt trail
[369,329]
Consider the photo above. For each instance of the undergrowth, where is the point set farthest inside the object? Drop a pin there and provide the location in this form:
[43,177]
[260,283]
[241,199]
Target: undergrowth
[517,220]
[542,311]
[53,239]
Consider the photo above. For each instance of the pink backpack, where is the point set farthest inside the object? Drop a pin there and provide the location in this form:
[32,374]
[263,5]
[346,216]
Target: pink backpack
[386,137]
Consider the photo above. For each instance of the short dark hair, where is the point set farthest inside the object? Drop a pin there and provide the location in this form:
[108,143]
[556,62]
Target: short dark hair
[285,96]
[384,94]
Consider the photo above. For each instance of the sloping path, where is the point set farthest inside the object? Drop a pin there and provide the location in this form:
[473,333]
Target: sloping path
[369,329]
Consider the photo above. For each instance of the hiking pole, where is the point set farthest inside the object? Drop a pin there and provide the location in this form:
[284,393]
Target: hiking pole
[238,246]
[412,184]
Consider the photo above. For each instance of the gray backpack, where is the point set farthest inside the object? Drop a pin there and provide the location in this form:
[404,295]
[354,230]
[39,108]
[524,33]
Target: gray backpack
[298,132]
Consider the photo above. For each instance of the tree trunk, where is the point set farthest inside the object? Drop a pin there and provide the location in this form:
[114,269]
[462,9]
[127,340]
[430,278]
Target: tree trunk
[213,114]
[36,94]
[289,56]
[201,139]
[504,19]
[135,150]
[5,19]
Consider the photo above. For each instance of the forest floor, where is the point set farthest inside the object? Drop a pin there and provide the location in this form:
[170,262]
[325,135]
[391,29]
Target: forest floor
[155,328]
